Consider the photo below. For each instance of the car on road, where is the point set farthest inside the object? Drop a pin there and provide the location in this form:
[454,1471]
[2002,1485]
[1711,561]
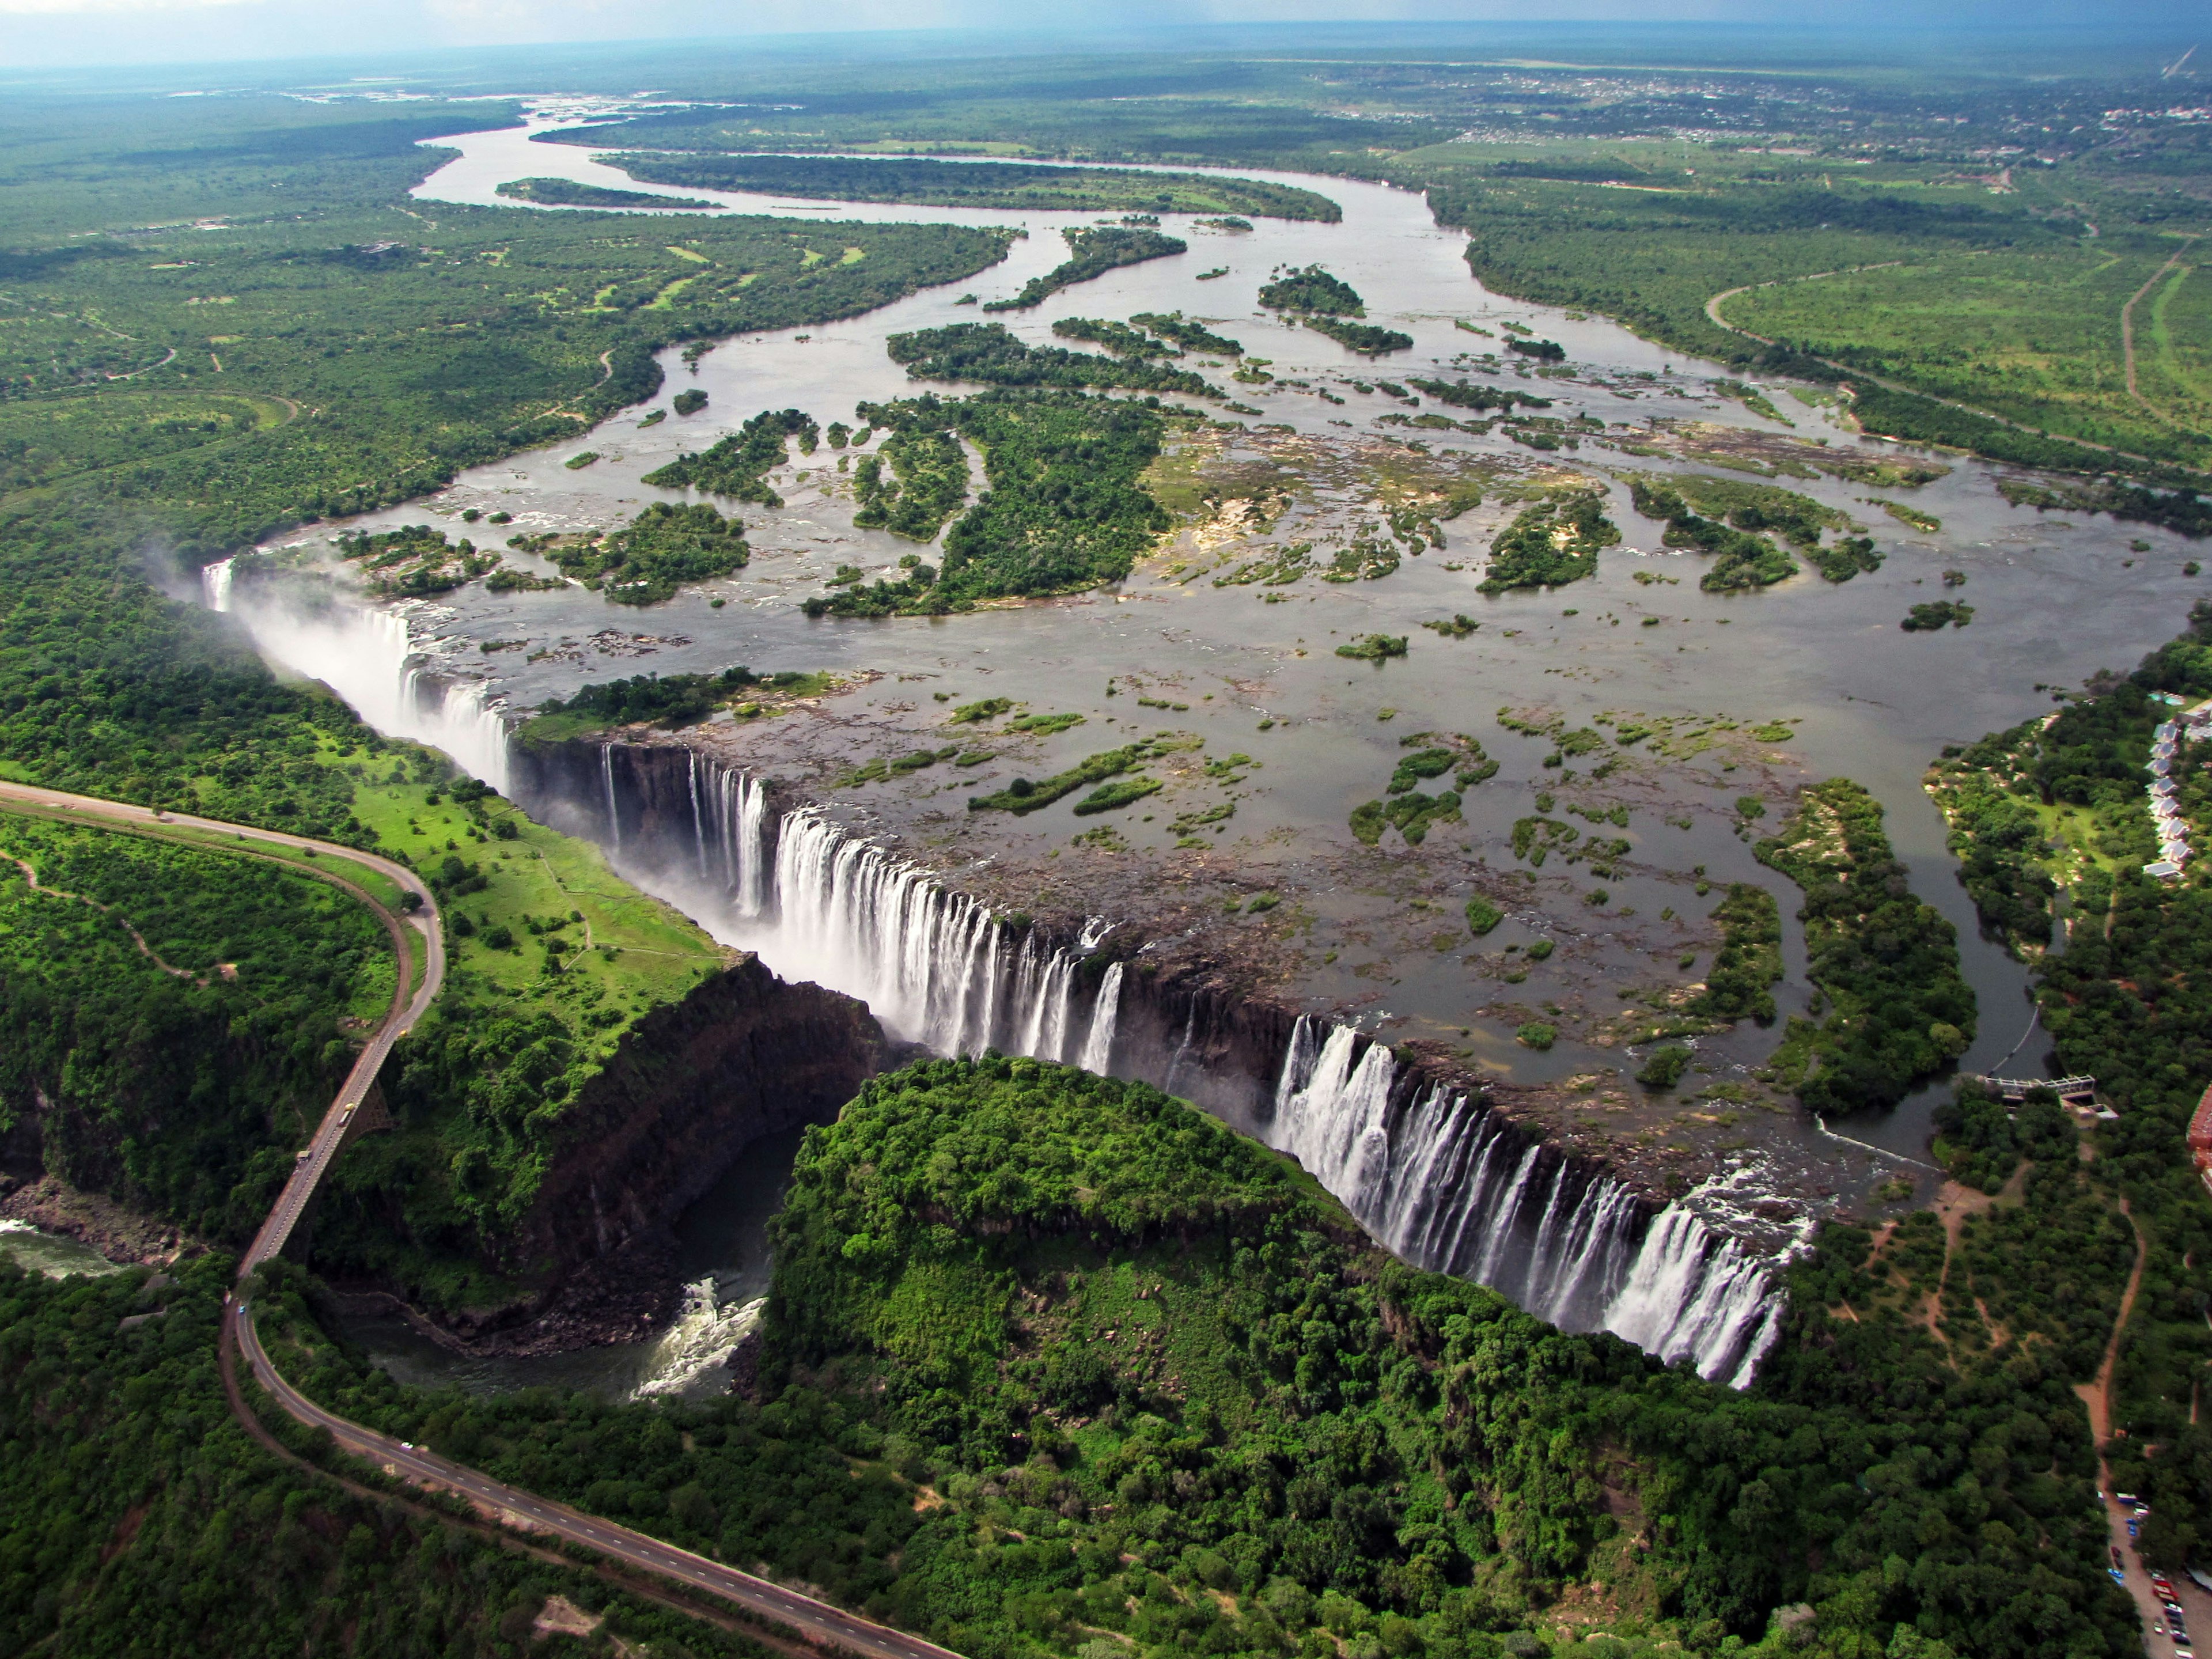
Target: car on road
[2119,1564]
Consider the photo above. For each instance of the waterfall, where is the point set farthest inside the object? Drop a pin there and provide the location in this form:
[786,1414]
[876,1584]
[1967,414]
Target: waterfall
[1695,1292]
[371,659]
[1099,1046]
[934,966]
[1439,1177]
[215,584]
[1445,1184]
[607,783]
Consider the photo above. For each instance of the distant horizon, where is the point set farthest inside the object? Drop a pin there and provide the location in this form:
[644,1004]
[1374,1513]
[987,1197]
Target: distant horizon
[437,40]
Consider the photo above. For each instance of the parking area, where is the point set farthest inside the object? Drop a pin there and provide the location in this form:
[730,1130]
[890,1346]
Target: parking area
[2151,1595]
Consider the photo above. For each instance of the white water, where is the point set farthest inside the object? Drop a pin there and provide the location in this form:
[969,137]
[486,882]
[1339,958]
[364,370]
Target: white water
[689,1352]
[1099,1046]
[215,585]
[1430,1180]
[372,658]
[52,1254]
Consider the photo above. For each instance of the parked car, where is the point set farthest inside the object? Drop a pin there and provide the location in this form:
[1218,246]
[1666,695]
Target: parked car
[2117,1563]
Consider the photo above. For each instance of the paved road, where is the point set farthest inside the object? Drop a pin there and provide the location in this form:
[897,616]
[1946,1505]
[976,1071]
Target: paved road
[419,937]
[816,1622]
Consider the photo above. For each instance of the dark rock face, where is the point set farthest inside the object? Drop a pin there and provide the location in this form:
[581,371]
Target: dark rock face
[692,1085]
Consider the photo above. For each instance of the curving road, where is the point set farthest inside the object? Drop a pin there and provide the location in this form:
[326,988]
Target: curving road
[816,1622]
[419,934]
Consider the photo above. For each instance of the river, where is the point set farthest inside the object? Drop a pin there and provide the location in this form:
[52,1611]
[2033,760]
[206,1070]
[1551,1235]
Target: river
[2055,601]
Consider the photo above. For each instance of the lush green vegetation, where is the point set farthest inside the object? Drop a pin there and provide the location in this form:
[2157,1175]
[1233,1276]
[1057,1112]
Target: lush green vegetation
[569,192]
[1374,647]
[1188,333]
[1721,515]
[386,360]
[1554,541]
[1936,616]
[2051,819]
[1314,291]
[1887,964]
[1119,338]
[553,962]
[1049,1353]
[180,1017]
[1410,814]
[138,1517]
[678,700]
[1745,561]
[1092,253]
[1466,394]
[1739,983]
[666,547]
[987,352]
[414,561]
[1021,186]
[1363,338]
[1025,795]
[737,466]
[929,477]
[1065,508]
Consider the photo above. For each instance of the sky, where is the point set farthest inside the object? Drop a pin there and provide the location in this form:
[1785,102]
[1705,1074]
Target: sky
[36,33]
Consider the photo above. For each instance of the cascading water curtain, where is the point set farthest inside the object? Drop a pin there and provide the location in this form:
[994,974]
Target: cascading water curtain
[369,656]
[935,966]
[1447,1185]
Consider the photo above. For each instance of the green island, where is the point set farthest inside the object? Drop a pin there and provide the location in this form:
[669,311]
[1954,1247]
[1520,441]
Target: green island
[569,192]
[1018,186]
[991,354]
[737,466]
[1552,541]
[1119,338]
[1936,615]
[1092,253]
[1886,962]
[1721,516]
[1065,508]
[1312,290]
[1187,332]
[666,547]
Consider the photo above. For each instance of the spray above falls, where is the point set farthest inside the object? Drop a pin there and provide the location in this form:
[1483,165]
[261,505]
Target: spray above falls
[372,657]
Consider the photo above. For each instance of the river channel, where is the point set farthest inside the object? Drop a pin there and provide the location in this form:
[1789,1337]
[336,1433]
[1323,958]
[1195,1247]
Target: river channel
[2054,602]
